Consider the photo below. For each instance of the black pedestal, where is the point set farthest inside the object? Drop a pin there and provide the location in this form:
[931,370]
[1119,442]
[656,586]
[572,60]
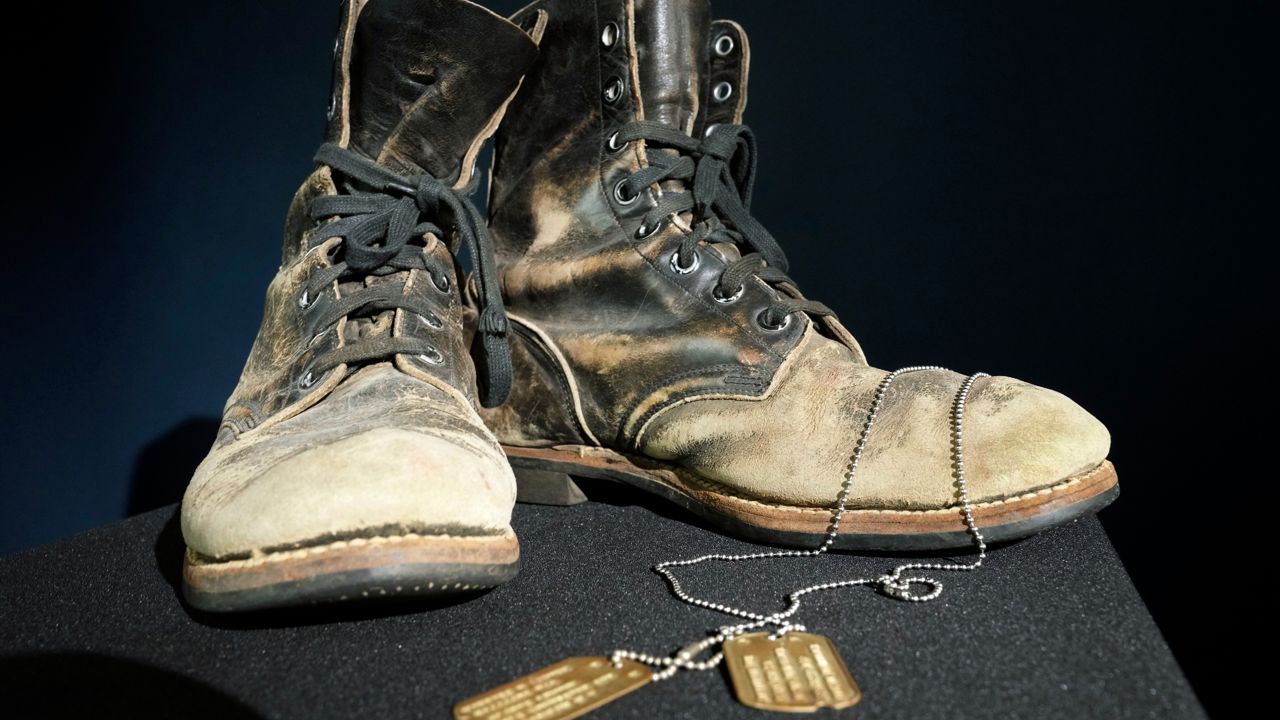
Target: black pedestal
[1051,627]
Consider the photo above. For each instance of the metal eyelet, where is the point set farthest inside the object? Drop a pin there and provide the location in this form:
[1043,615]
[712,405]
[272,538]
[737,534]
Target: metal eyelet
[333,106]
[710,129]
[727,299]
[722,91]
[441,282]
[609,36]
[316,338]
[724,45]
[644,232]
[760,320]
[620,196]
[432,356]
[304,300]
[613,89]
[613,145]
[337,45]
[431,321]
[681,269]
[307,380]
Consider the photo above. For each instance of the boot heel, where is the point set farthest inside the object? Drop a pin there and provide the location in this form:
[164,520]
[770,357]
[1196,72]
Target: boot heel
[546,487]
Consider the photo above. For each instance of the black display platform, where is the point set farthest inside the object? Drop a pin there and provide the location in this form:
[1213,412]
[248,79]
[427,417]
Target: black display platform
[93,625]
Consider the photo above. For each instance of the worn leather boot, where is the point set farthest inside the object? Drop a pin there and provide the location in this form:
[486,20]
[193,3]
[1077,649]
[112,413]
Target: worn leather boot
[351,461]
[658,340]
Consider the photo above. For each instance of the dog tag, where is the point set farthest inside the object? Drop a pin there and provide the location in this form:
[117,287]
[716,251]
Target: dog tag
[798,672]
[571,688]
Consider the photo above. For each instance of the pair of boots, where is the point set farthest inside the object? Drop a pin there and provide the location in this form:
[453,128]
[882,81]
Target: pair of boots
[625,317]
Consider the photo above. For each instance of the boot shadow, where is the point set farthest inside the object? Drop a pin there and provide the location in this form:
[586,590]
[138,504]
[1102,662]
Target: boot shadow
[37,684]
[164,466]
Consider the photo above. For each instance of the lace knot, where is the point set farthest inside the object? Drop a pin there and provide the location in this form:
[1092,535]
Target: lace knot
[377,226]
[427,193]
[721,142]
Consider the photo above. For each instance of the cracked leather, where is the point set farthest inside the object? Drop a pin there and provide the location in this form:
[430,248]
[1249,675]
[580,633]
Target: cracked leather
[418,85]
[621,347]
[419,98]
[636,335]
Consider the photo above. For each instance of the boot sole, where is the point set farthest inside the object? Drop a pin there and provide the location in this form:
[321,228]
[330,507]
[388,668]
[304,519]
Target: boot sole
[355,569]
[543,476]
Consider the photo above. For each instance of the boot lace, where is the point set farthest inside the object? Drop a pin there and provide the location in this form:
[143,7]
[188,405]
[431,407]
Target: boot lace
[378,213]
[719,171]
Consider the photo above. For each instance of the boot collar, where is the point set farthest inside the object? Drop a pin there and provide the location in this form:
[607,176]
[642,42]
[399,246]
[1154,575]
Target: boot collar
[420,84]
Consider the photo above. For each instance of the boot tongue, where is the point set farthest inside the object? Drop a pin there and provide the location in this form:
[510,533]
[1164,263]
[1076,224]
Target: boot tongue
[428,78]
[671,54]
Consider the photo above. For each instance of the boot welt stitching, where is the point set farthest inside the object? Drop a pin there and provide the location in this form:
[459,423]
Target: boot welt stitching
[196,558]
[697,482]
[720,489]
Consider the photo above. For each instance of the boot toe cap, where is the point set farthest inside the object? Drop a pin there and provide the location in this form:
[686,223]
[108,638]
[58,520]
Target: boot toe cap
[1020,438]
[378,481]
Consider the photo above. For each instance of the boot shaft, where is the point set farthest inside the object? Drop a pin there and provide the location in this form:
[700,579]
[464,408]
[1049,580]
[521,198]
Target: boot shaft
[588,284]
[603,63]
[419,84]
[599,289]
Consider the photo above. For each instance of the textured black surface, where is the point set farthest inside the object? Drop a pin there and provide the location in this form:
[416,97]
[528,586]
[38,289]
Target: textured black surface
[1051,627]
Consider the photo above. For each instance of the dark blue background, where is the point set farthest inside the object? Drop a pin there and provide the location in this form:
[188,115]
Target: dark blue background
[1058,191]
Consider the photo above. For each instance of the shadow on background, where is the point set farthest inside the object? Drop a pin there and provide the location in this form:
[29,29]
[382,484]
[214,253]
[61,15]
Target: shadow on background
[59,685]
[164,466]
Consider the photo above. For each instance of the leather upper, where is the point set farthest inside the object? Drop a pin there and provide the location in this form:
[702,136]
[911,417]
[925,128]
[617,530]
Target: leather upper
[634,332]
[304,452]
[670,59]
[423,92]
[617,346]
[727,68]
[384,454]
[384,51]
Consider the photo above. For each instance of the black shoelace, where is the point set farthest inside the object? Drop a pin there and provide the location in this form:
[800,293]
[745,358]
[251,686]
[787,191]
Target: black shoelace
[719,171]
[377,223]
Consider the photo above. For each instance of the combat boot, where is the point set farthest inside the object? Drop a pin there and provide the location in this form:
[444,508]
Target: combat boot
[351,461]
[657,339]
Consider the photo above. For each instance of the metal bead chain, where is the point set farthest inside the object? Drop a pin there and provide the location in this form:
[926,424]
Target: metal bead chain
[892,584]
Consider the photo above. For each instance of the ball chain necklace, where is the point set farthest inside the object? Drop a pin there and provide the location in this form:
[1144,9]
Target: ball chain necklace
[782,668]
